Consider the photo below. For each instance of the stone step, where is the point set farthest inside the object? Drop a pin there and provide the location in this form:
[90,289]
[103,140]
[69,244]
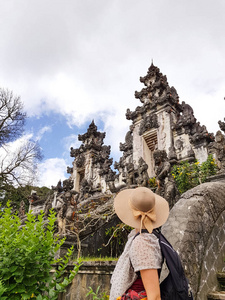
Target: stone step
[216,295]
[221,280]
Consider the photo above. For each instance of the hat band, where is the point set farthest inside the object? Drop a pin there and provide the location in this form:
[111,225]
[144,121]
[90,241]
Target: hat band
[146,217]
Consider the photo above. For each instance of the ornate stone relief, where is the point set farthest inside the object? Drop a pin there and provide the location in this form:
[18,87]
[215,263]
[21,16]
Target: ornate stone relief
[222,125]
[148,122]
[166,185]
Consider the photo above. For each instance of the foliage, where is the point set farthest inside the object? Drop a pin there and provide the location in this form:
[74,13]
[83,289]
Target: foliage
[2,290]
[93,258]
[97,295]
[118,237]
[153,183]
[27,255]
[188,175]
[16,195]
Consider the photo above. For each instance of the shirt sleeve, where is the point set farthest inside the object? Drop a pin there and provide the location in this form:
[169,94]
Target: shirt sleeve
[145,252]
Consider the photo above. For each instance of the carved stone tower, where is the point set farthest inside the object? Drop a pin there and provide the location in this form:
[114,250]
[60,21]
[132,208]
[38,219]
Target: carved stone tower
[91,163]
[161,123]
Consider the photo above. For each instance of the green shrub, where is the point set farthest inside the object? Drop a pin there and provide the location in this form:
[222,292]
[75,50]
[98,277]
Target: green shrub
[97,295]
[2,290]
[188,175]
[27,255]
[117,238]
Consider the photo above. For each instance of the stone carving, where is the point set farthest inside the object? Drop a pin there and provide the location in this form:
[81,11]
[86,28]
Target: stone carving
[222,125]
[172,156]
[166,185]
[69,170]
[22,210]
[148,123]
[186,118]
[199,134]
[61,218]
[92,159]
[33,197]
[130,176]
[80,161]
[217,148]
[102,160]
[66,212]
[128,145]
[157,90]
[143,178]
[92,138]
[47,206]
[58,188]
[85,188]
[179,144]
[70,213]
[110,180]
[67,184]
[105,167]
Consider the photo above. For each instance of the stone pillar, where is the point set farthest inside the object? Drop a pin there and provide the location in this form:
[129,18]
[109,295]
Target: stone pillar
[137,144]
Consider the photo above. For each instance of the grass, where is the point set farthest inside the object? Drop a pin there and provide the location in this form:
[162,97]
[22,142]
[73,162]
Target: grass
[90,258]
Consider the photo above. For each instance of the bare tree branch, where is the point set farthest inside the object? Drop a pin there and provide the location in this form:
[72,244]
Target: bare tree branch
[18,156]
[12,117]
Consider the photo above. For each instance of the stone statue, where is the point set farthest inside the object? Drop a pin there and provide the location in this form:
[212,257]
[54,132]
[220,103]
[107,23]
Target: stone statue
[128,142]
[130,178]
[187,116]
[61,218]
[222,125]
[166,185]
[58,187]
[143,178]
[47,206]
[67,184]
[70,213]
[21,209]
[110,179]
[85,188]
[33,196]
[217,149]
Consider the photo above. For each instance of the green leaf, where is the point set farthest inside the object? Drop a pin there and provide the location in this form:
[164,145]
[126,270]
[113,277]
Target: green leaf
[58,287]
[52,293]
[13,268]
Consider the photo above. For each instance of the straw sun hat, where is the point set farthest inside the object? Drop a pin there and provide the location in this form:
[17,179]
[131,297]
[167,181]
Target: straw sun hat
[141,208]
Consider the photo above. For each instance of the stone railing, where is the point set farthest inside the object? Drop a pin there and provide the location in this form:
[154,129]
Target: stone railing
[91,274]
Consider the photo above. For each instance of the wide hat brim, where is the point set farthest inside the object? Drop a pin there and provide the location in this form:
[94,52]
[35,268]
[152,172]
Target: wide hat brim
[124,211]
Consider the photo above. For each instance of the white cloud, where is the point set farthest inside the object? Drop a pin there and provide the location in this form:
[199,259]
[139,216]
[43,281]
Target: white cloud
[42,131]
[83,59]
[51,171]
[71,141]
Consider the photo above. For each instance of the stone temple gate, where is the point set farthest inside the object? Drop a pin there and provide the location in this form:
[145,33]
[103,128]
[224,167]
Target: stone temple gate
[163,132]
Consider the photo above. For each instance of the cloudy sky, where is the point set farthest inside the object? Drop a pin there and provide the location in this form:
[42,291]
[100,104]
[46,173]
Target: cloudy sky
[72,61]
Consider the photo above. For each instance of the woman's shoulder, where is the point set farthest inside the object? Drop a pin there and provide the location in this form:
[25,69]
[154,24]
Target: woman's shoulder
[144,242]
[145,252]
[148,237]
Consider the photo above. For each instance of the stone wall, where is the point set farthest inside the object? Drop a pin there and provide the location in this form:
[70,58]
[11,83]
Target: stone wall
[91,274]
[196,229]
[213,259]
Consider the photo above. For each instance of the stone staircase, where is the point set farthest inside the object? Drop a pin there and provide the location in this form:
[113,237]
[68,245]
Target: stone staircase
[218,295]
